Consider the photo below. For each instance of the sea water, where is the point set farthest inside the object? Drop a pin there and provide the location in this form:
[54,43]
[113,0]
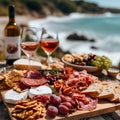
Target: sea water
[104,28]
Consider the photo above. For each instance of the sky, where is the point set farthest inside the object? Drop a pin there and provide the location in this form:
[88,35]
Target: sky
[107,3]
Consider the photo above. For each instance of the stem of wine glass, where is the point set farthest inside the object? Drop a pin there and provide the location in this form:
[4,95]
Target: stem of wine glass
[48,60]
[28,56]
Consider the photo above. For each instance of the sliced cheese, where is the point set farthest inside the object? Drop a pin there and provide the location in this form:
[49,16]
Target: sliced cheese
[39,91]
[13,97]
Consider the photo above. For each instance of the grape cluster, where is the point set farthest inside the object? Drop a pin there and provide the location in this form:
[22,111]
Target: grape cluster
[102,62]
[51,75]
[88,60]
[51,78]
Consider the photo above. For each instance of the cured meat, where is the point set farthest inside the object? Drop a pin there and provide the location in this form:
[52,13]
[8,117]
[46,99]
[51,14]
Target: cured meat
[33,82]
[90,106]
[34,74]
[81,79]
[23,86]
[33,78]
[45,99]
[84,102]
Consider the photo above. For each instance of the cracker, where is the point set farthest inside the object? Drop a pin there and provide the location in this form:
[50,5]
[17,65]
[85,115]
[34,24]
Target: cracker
[12,79]
[29,110]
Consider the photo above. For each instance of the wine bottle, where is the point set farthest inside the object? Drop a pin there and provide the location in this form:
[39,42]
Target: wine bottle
[12,38]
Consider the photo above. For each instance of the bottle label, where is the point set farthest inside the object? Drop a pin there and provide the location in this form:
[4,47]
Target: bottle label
[12,47]
[2,51]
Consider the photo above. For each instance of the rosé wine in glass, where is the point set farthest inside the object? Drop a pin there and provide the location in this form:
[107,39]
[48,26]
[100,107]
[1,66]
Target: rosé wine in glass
[29,47]
[29,41]
[49,43]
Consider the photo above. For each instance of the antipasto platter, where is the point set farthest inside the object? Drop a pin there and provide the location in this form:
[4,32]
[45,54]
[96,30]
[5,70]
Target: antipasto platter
[102,108]
[58,94]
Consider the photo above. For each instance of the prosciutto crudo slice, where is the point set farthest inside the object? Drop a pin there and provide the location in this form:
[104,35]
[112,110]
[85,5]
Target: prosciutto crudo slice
[84,102]
[33,78]
[72,86]
[81,79]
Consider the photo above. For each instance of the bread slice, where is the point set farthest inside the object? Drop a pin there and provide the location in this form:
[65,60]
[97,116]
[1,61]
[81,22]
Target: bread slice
[116,97]
[107,92]
[117,90]
[23,64]
[94,89]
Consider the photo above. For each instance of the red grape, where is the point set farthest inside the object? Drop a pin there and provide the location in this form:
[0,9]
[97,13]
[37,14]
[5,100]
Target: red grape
[52,97]
[65,98]
[63,109]
[52,111]
[67,104]
[68,99]
[56,100]
[51,78]
[72,102]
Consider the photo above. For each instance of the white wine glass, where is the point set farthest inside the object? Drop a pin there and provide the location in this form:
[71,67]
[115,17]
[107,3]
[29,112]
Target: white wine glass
[49,42]
[29,42]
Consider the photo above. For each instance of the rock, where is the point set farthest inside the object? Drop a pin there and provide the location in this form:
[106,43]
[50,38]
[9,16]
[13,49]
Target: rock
[75,36]
[94,47]
[92,40]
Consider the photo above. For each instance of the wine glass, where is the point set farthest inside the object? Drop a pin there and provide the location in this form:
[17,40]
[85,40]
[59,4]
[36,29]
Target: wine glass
[49,42]
[29,42]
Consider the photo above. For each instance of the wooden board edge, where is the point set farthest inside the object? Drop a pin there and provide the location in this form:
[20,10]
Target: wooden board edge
[7,105]
[74,116]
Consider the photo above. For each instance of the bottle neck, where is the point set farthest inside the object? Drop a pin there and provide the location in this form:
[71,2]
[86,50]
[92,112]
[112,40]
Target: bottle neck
[11,20]
[12,13]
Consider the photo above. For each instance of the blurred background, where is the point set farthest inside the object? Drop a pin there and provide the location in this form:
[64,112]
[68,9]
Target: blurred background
[93,25]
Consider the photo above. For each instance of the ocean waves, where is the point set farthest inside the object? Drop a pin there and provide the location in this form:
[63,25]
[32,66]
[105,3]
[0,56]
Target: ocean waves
[104,28]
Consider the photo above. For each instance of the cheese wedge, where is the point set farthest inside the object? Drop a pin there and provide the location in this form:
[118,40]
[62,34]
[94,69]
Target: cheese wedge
[23,64]
[39,91]
[13,97]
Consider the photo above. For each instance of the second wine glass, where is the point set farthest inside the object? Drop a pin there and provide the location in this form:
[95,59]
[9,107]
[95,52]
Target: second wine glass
[49,42]
[29,42]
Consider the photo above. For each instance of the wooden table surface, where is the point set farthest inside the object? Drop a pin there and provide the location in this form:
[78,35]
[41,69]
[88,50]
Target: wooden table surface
[109,116]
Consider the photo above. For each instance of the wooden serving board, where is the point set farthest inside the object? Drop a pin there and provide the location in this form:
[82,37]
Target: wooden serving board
[102,108]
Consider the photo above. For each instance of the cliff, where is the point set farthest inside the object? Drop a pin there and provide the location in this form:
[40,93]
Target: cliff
[42,8]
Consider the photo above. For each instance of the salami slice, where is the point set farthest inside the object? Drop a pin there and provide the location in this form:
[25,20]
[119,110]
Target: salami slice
[33,82]
[89,106]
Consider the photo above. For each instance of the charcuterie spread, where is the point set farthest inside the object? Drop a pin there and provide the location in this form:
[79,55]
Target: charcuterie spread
[36,94]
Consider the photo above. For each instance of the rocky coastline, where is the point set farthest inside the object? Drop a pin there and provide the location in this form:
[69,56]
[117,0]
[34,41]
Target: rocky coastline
[75,36]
